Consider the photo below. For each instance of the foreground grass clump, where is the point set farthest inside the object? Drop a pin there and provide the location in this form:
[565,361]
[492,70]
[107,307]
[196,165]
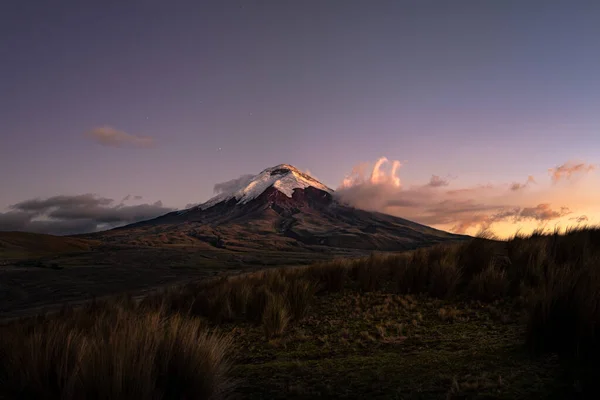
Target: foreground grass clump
[112,352]
[272,298]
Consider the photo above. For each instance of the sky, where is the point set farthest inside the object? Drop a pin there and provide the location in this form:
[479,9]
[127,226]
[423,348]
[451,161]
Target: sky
[117,111]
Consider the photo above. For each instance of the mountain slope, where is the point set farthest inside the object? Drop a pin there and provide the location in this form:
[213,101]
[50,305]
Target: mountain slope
[280,208]
[26,244]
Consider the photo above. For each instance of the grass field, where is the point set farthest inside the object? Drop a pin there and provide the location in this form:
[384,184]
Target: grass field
[481,319]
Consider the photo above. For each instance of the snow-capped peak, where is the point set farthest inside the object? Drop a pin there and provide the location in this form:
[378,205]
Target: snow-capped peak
[285,178]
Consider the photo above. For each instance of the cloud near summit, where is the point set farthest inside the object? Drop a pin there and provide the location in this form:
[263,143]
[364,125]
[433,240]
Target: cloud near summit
[377,187]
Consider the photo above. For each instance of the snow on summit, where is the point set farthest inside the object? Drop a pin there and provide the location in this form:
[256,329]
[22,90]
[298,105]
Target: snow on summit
[283,177]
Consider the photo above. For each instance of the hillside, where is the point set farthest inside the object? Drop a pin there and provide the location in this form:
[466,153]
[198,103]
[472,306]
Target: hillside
[14,245]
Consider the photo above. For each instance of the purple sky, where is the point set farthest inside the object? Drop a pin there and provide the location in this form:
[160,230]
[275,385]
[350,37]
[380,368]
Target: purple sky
[483,91]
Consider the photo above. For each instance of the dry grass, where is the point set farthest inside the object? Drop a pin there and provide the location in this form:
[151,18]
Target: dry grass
[489,284]
[112,352]
[555,272]
[555,276]
[275,316]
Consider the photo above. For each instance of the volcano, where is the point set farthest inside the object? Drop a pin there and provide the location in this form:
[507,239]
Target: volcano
[281,208]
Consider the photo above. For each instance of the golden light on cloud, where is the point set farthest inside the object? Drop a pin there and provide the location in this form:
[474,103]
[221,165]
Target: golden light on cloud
[502,208]
[568,169]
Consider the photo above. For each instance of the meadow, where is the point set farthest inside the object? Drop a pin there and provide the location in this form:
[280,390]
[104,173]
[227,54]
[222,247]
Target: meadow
[477,319]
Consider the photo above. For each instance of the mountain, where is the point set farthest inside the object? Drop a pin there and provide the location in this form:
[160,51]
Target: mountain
[281,208]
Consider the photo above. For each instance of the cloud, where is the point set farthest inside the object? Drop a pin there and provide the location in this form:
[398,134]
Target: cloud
[129,197]
[370,187]
[436,181]
[542,212]
[566,170]
[377,176]
[478,189]
[111,137]
[580,219]
[84,200]
[233,184]
[75,214]
[519,186]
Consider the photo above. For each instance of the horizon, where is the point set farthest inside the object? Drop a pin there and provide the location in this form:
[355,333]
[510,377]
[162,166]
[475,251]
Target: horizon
[487,113]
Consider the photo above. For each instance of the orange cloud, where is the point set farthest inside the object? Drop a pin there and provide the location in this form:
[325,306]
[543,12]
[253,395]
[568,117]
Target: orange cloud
[377,177]
[568,169]
[518,186]
[458,209]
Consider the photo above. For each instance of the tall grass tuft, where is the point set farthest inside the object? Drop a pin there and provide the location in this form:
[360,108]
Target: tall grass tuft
[276,316]
[489,284]
[122,355]
[299,295]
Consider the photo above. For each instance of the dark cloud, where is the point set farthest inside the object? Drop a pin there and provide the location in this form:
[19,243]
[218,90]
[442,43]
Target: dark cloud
[111,137]
[83,200]
[15,220]
[233,185]
[436,181]
[542,212]
[75,214]
[131,197]
[568,169]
